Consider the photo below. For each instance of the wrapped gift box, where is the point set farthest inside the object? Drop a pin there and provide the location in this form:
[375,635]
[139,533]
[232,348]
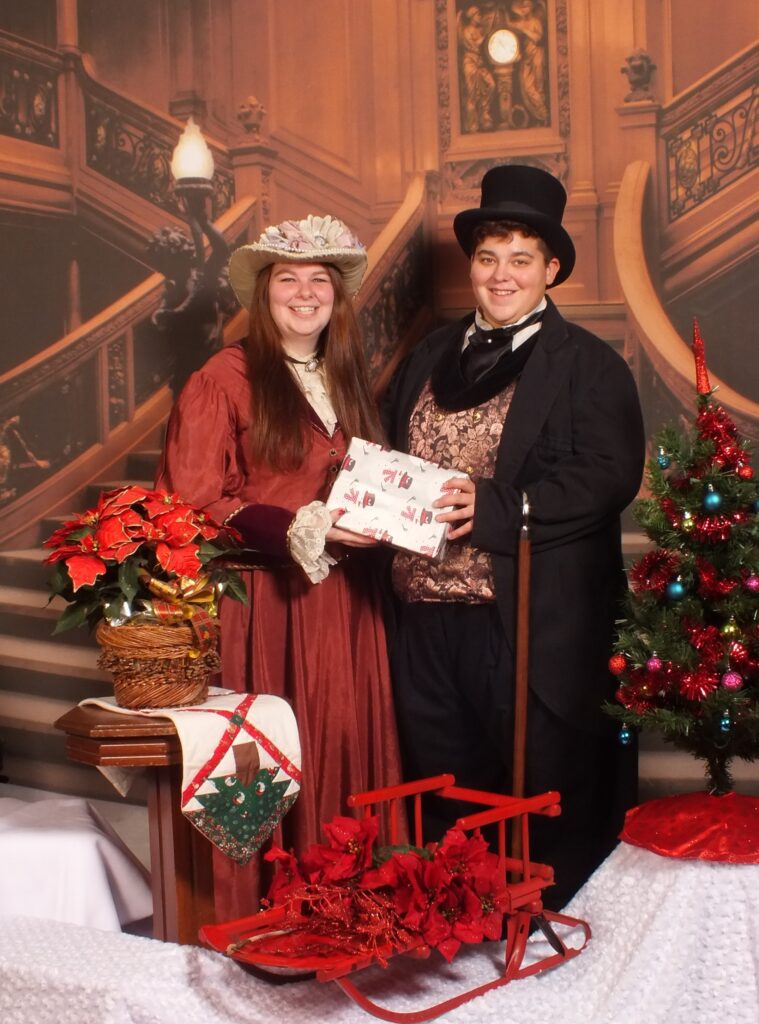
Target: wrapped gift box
[388,495]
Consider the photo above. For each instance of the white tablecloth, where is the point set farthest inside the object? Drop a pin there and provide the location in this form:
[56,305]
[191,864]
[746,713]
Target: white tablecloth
[675,942]
[60,860]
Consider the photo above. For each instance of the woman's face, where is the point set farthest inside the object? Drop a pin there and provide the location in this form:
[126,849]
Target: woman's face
[301,296]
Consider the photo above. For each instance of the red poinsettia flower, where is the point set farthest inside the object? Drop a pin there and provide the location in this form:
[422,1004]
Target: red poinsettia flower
[182,561]
[117,537]
[404,875]
[111,501]
[175,530]
[84,570]
[460,853]
[349,851]
[288,877]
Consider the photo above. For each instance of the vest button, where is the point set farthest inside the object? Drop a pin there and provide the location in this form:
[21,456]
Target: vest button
[477,415]
[438,416]
[333,452]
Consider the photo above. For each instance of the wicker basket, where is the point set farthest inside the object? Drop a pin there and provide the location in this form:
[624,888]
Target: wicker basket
[151,664]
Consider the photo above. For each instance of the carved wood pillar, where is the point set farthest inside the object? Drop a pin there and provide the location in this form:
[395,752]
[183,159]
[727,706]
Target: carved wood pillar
[68,25]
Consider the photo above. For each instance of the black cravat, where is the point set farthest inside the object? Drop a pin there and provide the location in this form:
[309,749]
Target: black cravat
[485,348]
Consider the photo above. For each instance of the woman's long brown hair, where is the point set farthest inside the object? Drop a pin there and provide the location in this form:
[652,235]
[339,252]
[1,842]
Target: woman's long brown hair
[279,433]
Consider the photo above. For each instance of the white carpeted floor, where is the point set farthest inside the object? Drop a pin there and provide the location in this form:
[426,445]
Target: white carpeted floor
[675,942]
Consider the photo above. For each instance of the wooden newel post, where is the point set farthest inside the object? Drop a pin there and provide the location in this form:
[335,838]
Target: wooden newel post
[522,664]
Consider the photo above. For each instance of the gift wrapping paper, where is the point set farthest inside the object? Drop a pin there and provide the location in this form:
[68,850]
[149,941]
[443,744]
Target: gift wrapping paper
[388,495]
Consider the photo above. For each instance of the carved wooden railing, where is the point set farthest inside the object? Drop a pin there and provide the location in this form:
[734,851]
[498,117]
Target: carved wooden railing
[648,323]
[90,397]
[132,145]
[394,304]
[711,133]
[29,91]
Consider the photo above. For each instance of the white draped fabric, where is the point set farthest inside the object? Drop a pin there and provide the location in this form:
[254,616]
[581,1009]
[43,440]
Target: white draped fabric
[675,942]
[59,860]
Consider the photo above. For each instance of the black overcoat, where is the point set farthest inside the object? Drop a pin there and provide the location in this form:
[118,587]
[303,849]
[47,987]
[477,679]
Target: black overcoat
[573,440]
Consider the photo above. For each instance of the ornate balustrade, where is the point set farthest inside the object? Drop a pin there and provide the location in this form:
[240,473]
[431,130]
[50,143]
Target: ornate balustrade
[29,91]
[649,328]
[711,134]
[132,146]
[394,304]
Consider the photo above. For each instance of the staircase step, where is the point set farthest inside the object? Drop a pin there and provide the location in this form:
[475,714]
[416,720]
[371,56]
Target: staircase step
[24,568]
[635,542]
[32,712]
[31,602]
[45,655]
[25,612]
[143,464]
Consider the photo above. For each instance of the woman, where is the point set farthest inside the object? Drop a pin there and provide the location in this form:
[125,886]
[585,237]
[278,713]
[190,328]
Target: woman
[256,439]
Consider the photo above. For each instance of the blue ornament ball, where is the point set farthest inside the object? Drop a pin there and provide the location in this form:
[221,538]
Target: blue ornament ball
[712,501]
[663,459]
[675,590]
[625,736]
[756,505]
[724,723]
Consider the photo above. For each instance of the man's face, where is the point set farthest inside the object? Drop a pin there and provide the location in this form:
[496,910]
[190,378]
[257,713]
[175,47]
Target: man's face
[509,277]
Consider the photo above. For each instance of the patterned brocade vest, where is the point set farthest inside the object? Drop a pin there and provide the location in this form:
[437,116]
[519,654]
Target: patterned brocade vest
[464,441]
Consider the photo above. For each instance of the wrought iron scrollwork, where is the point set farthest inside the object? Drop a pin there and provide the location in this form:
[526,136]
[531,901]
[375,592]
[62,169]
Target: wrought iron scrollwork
[138,157]
[28,101]
[712,151]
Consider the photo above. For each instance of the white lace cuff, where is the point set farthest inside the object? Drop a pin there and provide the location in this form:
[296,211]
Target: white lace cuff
[306,537]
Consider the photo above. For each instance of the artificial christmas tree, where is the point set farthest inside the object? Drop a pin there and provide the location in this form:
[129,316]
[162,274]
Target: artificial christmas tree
[687,655]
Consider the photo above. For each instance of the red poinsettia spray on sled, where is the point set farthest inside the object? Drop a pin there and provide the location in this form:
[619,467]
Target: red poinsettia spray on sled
[350,895]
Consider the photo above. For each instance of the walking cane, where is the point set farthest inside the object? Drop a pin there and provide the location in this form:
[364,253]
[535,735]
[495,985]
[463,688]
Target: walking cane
[522,663]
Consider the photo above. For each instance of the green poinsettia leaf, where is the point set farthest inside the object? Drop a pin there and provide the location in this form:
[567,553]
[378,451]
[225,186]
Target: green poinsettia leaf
[235,588]
[75,615]
[59,581]
[129,581]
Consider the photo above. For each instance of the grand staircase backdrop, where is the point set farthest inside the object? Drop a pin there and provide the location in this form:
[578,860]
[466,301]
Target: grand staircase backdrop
[85,410]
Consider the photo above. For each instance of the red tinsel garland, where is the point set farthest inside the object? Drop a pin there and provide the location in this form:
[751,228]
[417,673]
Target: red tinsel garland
[654,571]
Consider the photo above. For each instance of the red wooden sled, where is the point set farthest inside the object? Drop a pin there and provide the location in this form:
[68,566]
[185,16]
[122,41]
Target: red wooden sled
[525,881]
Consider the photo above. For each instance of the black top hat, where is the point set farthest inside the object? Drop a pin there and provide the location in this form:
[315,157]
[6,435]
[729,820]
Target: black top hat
[529,195]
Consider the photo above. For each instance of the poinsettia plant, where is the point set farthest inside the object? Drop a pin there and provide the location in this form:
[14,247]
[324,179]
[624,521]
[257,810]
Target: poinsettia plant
[365,898]
[139,553]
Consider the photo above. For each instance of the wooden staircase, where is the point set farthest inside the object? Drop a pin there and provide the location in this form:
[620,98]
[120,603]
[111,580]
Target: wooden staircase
[42,675]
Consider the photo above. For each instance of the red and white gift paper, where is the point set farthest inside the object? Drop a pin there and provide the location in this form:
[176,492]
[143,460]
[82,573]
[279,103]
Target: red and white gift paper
[388,495]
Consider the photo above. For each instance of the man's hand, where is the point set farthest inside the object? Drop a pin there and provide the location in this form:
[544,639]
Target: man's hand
[352,540]
[459,496]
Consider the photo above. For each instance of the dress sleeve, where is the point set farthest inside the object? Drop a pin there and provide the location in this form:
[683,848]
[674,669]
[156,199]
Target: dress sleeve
[202,462]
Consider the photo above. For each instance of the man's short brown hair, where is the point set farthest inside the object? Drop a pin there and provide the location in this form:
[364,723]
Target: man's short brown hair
[505,229]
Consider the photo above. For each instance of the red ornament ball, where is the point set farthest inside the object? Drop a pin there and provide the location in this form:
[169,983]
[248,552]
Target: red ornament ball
[745,472]
[654,663]
[738,652]
[617,664]
[732,681]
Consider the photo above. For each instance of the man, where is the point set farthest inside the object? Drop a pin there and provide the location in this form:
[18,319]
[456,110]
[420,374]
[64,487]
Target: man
[523,403]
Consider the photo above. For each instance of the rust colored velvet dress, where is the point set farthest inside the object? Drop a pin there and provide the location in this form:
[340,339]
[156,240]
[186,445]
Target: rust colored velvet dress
[321,646]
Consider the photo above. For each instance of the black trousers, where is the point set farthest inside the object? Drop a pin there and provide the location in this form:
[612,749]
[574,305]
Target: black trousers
[453,684]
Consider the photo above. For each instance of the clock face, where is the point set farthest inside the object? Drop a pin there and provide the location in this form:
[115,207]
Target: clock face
[503,47]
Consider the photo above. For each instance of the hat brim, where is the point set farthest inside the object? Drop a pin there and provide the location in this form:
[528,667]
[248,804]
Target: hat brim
[553,234]
[247,262]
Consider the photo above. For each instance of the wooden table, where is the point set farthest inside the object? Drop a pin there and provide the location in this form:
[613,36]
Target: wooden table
[180,858]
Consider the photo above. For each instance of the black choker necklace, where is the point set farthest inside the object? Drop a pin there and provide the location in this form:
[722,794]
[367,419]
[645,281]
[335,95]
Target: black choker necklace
[311,364]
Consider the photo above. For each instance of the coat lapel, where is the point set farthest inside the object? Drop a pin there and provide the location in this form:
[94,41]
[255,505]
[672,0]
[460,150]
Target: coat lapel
[540,382]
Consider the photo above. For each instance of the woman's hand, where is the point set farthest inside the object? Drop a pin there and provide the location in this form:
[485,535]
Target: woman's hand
[352,540]
[459,496]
